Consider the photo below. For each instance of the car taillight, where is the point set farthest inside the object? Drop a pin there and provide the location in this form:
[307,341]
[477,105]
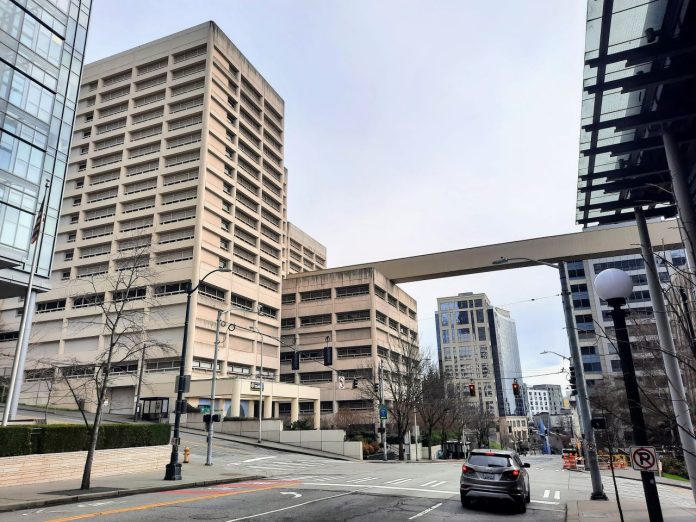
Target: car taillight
[511,474]
[467,469]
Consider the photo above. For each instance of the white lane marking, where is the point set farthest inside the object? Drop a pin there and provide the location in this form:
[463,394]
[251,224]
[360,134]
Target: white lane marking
[425,511]
[375,486]
[297,495]
[398,481]
[366,479]
[291,507]
[546,502]
[547,492]
[438,484]
[428,484]
[258,458]
[557,495]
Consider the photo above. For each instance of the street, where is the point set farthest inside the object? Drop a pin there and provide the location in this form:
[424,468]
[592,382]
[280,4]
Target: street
[302,487]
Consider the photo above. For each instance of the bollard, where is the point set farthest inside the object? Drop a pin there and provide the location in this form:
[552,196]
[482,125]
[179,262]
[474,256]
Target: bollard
[187,455]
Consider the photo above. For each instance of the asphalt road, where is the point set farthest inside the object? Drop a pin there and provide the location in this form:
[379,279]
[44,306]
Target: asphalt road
[301,487]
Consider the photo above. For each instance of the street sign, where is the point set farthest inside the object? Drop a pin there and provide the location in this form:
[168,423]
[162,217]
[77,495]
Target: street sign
[256,385]
[643,458]
[204,408]
[341,382]
[382,412]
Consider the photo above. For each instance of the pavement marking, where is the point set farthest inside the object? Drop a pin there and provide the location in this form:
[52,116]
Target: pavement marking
[428,483]
[291,507]
[366,479]
[258,458]
[425,511]
[375,486]
[398,481]
[168,503]
[557,495]
[547,502]
[438,484]
[547,492]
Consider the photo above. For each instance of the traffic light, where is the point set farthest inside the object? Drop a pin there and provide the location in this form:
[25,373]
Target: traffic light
[573,382]
[328,356]
[515,388]
[295,361]
[377,388]
[355,382]
[472,390]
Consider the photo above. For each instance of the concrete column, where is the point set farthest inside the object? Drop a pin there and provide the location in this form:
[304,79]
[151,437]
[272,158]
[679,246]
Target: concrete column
[680,185]
[268,407]
[276,409]
[236,398]
[294,409]
[669,353]
[252,409]
[317,414]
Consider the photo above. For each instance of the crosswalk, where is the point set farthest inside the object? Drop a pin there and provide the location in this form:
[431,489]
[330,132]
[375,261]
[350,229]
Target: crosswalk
[275,465]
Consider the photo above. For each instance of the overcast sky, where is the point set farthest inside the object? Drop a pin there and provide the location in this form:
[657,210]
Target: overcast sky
[413,127]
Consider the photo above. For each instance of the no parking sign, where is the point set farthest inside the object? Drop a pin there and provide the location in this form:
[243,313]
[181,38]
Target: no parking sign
[643,458]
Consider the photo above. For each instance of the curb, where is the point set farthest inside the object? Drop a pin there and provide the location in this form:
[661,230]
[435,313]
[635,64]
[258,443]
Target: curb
[683,486]
[30,504]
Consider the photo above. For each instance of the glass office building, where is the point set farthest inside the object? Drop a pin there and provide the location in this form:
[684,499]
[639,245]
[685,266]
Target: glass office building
[42,45]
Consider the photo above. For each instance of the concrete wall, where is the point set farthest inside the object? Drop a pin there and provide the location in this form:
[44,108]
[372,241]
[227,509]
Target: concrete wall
[35,469]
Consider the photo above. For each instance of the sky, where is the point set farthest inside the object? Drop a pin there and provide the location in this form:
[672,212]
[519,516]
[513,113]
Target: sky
[414,127]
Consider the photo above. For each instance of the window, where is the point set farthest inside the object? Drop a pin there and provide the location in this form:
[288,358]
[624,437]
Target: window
[68,256]
[64,276]
[131,294]
[575,269]
[316,295]
[85,301]
[315,320]
[242,302]
[50,306]
[224,244]
[288,299]
[315,377]
[288,322]
[353,316]
[353,351]
[72,237]
[268,311]
[349,291]
[171,289]
[381,318]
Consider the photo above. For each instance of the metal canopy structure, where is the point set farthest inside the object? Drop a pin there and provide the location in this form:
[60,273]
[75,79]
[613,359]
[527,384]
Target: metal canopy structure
[639,81]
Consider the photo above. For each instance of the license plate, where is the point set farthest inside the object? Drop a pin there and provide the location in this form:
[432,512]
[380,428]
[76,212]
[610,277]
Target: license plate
[489,476]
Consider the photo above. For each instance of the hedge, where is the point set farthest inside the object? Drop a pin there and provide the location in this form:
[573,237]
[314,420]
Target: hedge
[59,438]
[15,440]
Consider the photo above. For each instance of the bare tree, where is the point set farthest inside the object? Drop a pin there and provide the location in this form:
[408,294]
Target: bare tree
[402,384]
[433,406]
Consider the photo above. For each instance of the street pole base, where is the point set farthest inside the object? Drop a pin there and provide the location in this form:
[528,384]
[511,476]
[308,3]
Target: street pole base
[172,472]
[599,496]
[208,463]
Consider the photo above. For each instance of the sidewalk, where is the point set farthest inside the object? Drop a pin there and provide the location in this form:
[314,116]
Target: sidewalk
[633,511]
[67,491]
[635,475]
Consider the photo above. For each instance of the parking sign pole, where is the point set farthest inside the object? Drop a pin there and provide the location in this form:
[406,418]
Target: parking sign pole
[382,422]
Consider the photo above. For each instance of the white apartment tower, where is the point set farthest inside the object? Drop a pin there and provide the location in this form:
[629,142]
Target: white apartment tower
[177,148]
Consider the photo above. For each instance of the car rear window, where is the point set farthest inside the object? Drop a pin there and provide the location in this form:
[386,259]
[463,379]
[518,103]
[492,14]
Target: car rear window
[492,461]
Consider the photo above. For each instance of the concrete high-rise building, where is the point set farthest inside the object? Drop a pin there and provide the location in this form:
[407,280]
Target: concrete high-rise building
[546,398]
[301,252]
[477,345]
[178,152]
[362,316]
[43,45]
[593,318]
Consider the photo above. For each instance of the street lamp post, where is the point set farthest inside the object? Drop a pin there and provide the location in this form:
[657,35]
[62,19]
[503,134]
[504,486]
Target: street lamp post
[583,399]
[614,286]
[252,327]
[173,469]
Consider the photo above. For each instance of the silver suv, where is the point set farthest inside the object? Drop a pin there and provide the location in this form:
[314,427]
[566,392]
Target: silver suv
[495,474]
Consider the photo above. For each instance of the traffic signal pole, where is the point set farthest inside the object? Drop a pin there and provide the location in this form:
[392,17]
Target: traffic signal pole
[382,423]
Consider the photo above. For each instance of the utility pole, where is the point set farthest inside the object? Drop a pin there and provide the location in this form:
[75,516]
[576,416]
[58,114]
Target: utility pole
[382,422]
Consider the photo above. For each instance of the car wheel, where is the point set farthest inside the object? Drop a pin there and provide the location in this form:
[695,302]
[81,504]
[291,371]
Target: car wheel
[521,506]
[528,497]
[466,503]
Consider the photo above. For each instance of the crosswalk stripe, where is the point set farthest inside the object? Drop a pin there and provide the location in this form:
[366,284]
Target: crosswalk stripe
[398,481]
[428,484]
[438,484]
[547,492]
[366,479]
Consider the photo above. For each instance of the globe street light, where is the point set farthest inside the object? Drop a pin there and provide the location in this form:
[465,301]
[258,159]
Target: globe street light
[173,469]
[583,400]
[615,286]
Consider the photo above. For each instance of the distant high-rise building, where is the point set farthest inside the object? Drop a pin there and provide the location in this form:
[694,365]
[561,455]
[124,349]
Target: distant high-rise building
[546,398]
[477,350]
[43,45]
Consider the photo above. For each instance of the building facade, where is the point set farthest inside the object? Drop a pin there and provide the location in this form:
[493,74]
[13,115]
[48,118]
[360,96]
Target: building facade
[301,252]
[477,345]
[176,168]
[362,317]
[593,318]
[544,397]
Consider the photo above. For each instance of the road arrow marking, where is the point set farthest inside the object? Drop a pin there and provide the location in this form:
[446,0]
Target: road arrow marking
[297,495]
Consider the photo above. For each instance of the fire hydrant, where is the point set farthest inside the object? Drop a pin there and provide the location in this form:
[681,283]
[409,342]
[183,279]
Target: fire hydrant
[187,455]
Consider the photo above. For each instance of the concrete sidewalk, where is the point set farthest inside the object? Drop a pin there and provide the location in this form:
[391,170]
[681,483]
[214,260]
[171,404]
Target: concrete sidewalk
[67,491]
[632,474]
[633,511]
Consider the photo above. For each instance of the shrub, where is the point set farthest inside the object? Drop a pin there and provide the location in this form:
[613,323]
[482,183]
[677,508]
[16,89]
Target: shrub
[15,440]
[59,438]
[674,466]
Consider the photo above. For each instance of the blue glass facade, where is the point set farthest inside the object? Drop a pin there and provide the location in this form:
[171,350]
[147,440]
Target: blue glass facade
[506,362]
[42,45]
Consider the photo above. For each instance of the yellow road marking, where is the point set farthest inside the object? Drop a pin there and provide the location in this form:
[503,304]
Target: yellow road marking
[168,503]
